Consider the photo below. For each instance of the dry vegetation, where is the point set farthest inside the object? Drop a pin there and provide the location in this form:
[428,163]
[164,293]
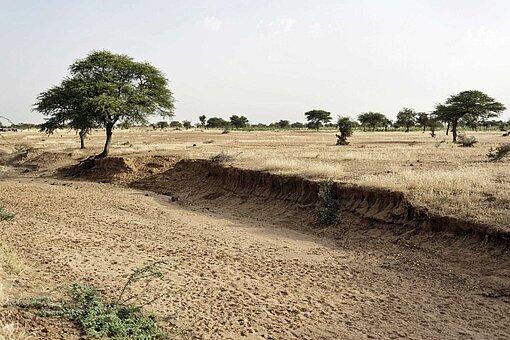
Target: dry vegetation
[433,172]
[10,267]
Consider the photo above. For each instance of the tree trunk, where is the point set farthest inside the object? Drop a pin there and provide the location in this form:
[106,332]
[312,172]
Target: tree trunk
[447,128]
[82,134]
[424,128]
[454,131]
[109,133]
[407,128]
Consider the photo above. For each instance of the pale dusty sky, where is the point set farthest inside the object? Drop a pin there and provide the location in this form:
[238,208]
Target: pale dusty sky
[268,60]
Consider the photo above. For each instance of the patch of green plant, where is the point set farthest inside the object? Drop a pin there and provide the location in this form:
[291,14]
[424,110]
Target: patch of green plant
[498,153]
[467,141]
[326,205]
[121,318]
[5,216]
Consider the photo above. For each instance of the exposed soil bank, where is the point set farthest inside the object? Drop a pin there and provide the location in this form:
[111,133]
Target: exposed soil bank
[213,180]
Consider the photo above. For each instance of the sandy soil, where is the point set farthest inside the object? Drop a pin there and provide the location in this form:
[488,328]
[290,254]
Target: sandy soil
[232,275]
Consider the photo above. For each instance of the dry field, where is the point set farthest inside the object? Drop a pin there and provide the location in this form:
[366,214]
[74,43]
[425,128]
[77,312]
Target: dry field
[432,172]
[243,268]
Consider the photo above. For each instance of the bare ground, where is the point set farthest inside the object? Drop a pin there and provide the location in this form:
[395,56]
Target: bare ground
[253,272]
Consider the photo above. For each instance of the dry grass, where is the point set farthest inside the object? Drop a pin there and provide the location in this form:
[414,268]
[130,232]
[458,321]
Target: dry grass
[308,168]
[11,331]
[467,192]
[11,266]
[432,172]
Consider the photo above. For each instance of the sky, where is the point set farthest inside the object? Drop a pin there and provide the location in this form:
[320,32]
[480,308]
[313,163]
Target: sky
[267,60]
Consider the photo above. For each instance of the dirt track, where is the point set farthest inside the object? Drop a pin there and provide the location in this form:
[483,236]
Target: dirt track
[234,276]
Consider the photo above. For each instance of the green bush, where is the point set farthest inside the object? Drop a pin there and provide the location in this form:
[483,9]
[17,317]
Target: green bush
[5,216]
[326,205]
[122,318]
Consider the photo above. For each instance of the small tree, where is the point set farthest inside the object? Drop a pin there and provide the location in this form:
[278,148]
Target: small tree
[372,120]
[433,123]
[202,120]
[110,88]
[407,118]
[317,117]
[422,119]
[476,104]
[162,125]
[186,124]
[297,125]
[175,124]
[216,122]
[238,122]
[345,125]
[283,124]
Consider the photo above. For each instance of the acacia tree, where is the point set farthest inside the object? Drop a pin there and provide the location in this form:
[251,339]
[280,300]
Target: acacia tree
[216,122]
[422,119]
[186,124]
[202,120]
[316,118]
[407,118]
[65,107]
[475,104]
[372,120]
[113,88]
[434,123]
[238,121]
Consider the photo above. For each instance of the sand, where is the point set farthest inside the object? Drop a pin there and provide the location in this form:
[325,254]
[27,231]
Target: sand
[235,275]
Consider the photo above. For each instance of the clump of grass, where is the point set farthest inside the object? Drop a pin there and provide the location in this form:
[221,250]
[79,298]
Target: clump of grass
[467,141]
[11,331]
[121,318]
[10,263]
[223,157]
[5,215]
[498,153]
[309,168]
[326,205]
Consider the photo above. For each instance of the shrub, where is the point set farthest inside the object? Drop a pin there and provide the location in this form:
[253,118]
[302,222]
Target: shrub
[345,129]
[467,141]
[498,153]
[326,205]
[223,157]
[175,124]
[122,318]
[162,124]
[5,216]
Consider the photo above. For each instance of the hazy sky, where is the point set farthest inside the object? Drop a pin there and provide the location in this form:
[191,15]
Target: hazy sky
[268,60]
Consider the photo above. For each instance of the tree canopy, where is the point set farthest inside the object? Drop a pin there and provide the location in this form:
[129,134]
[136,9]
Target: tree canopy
[202,120]
[238,122]
[316,118]
[472,105]
[345,125]
[216,122]
[422,119]
[372,120]
[406,118]
[105,88]
[66,108]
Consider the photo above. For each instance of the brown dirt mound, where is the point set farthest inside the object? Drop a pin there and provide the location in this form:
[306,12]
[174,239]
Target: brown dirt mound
[203,180]
[119,169]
